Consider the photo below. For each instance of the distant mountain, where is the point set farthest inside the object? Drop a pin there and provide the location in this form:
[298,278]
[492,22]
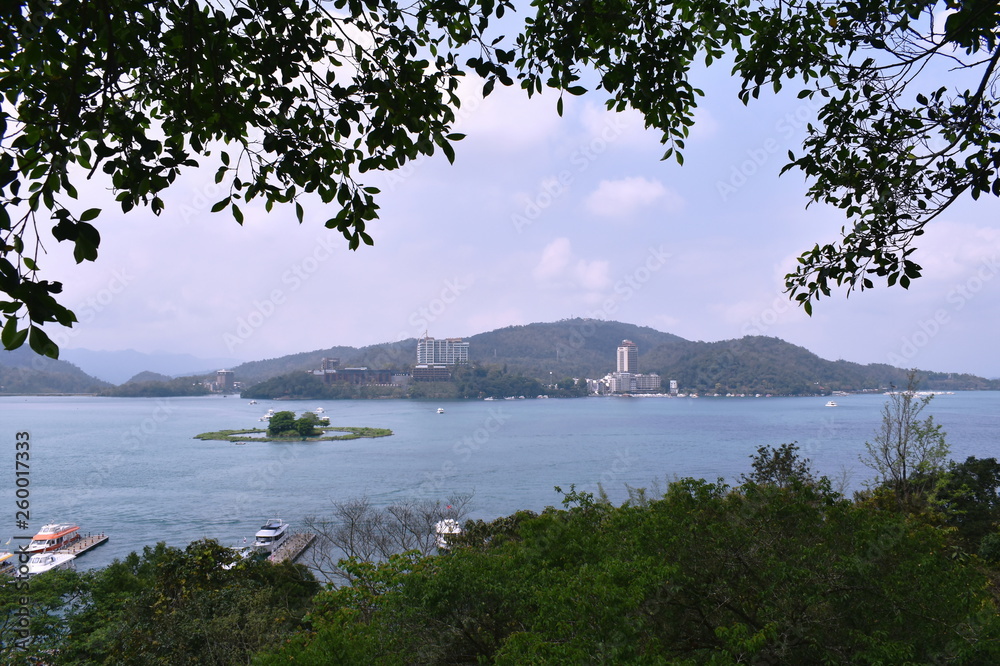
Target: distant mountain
[587,348]
[548,352]
[571,347]
[118,366]
[147,376]
[24,371]
[396,355]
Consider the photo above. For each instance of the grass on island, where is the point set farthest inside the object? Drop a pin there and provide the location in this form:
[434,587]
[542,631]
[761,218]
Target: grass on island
[350,432]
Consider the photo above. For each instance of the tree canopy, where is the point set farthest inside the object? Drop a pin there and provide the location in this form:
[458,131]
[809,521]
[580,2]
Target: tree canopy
[286,99]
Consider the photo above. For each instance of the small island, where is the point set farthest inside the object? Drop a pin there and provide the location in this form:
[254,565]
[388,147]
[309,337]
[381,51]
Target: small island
[284,427]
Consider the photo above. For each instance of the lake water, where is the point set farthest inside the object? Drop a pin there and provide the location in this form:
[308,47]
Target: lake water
[131,468]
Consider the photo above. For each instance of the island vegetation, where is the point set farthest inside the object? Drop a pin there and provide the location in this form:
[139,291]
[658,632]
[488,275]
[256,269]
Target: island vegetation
[284,427]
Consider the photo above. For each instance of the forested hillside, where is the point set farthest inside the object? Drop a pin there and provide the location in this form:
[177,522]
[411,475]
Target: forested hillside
[546,353]
[579,348]
[23,371]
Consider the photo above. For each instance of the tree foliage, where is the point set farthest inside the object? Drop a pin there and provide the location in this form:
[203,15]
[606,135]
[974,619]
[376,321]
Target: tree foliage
[171,606]
[286,99]
[907,103]
[704,574]
[906,450]
[163,606]
[283,98]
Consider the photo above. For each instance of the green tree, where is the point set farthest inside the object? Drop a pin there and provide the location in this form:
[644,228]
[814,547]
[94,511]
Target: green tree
[31,614]
[281,423]
[906,451]
[286,98]
[172,606]
[969,496]
[781,467]
[907,119]
[306,424]
[704,574]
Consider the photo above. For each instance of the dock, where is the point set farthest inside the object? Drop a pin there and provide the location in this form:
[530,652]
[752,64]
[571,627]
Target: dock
[293,547]
[85,544]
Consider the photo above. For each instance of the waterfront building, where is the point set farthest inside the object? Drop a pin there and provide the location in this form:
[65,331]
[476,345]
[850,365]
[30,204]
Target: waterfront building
[224,380]
[424,372]
[628,357]
[446,351]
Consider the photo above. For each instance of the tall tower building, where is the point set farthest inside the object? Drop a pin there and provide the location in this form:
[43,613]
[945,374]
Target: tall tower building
[628,357]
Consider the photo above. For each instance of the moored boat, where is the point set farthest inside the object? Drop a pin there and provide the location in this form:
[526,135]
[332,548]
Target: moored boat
[42,562]
[54,536]
[831,404]
[8,563]
[273,533]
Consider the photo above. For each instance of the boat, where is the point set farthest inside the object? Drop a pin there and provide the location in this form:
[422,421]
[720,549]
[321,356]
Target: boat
[267,417]
[271,535]
[241,554]
[319,410]
[42,562]
[253,402]
[444,528]
[53,537]
[831,404]
[8,563]
[440,410]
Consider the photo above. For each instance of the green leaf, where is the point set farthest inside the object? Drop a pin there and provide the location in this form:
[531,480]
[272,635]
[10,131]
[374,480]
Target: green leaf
[11,337]
[89,214]
[41,344]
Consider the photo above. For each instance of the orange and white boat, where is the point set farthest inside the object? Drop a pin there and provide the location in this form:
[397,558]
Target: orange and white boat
[53,537]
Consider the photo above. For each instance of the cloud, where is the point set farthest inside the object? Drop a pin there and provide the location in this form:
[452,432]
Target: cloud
[559,266]
[507,121]
[622,198]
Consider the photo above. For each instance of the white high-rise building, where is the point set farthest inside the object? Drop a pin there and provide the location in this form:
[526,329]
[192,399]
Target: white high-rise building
[628,357]
[448,351]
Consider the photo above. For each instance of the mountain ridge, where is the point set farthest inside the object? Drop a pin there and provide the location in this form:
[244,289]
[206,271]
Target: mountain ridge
[552,351]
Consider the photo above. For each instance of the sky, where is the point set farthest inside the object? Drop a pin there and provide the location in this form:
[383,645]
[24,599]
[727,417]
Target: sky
[541,218]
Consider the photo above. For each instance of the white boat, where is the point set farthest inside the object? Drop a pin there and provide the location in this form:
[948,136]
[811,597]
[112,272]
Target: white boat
[271,535]
[42,562]
[319,410]
[831,404]
[53,537]
[267,417]
[242,553]
[440,410]
[443,528]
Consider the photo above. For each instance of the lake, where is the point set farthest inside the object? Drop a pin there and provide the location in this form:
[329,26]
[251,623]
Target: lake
[131,468]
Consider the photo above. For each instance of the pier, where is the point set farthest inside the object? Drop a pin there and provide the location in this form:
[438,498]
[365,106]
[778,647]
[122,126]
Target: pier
[84,544]
[293,547]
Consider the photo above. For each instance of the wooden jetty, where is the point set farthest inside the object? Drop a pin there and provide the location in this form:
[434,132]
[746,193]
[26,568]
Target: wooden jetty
[85,544]
[293,547]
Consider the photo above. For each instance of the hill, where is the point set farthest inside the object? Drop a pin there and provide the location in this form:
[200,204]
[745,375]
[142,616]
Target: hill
[148,376]
[23,371]
[118,366]
[551,351]
[547,352]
